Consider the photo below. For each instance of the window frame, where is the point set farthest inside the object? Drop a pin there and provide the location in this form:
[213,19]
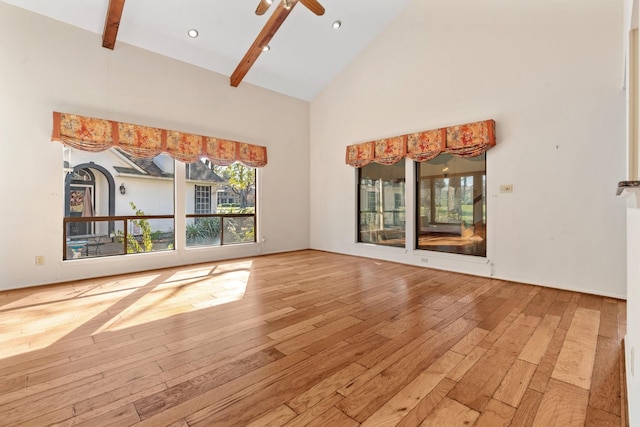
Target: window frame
[236,222]
[483,179]
[132,230]
[383,237]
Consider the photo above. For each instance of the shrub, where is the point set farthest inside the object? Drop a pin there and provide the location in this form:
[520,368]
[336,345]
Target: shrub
[203,230]
[133,246]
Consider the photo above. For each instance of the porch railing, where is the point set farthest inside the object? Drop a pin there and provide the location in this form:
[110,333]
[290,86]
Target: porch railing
[96,237]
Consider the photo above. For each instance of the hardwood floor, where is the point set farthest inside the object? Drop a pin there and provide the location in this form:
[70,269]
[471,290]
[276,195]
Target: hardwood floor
[308,339]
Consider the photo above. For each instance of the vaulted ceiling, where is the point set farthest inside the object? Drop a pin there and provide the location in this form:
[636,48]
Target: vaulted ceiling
[306,52]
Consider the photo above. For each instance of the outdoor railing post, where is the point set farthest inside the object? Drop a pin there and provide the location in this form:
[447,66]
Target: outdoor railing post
[125,239]
[222,230]
[64,239]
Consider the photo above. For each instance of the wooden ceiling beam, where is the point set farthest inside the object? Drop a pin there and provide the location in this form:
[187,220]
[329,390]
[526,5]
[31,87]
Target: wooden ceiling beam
[313,6]
[112,23]
[268,31]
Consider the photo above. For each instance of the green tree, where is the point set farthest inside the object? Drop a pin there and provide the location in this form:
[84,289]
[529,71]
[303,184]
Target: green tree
[241,180]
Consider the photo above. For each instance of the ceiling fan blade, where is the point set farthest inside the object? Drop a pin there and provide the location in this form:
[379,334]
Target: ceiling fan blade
[313,6]
[263,6]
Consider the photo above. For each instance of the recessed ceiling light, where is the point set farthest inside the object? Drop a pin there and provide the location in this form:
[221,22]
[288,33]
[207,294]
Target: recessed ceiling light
[266,48]
[337,24]
[193,33]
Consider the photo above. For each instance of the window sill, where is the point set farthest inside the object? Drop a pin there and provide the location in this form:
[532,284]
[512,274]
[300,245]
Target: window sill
[388,248]
[422,253]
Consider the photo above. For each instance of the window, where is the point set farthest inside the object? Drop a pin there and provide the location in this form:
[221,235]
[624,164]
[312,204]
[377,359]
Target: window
[150,181]
[203,199]
[371,204]
[451,197]
[239,219]
[381,195]
[118,204]
[223,212]
[103,186]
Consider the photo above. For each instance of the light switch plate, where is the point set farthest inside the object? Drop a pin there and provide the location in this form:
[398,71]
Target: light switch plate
[506,188]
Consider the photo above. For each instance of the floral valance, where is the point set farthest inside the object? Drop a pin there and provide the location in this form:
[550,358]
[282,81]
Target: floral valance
[92,134]
[468,140]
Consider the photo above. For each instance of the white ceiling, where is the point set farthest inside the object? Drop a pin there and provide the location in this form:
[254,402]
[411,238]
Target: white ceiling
[306,53]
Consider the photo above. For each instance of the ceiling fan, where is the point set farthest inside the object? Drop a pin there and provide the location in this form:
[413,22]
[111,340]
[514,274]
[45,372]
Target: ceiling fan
[312,5]
[269,30]
[114,15]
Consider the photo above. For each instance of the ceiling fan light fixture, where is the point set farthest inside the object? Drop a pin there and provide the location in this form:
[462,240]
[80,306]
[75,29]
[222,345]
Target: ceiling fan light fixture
[287,4]
[269,2]
[193,33]
[266,48]
[336,24]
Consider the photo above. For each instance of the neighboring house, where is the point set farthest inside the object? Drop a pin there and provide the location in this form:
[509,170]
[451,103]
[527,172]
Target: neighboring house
[226,196]
[112,180]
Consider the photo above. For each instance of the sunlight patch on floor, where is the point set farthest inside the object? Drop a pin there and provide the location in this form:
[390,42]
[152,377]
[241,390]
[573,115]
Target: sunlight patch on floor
[47,324]
[57,315]
[176,294]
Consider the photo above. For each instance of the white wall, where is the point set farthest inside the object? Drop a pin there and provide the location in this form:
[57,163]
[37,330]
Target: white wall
[551,74]
[49,66]
[632,339]
[632,343]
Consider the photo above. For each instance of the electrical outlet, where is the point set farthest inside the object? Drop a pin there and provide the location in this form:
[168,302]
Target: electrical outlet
[506,188]
[424,260]
[40,260]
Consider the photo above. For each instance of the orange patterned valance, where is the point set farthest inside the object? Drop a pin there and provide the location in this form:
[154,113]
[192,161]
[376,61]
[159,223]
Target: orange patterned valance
[423,146]
[360,154]
[391,150]
[185,147]
[139,141]
[252,155]
[92,134]
[221,151]
[384,151]
[468,140]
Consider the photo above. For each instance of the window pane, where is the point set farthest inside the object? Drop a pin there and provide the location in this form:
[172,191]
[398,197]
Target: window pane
[237,192]
[452,205]
[239,230]
[203,231]
[381,195]
[113,184]
[220,204]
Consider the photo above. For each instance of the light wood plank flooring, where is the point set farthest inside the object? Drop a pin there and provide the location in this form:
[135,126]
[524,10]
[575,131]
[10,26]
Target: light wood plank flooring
[308,339]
